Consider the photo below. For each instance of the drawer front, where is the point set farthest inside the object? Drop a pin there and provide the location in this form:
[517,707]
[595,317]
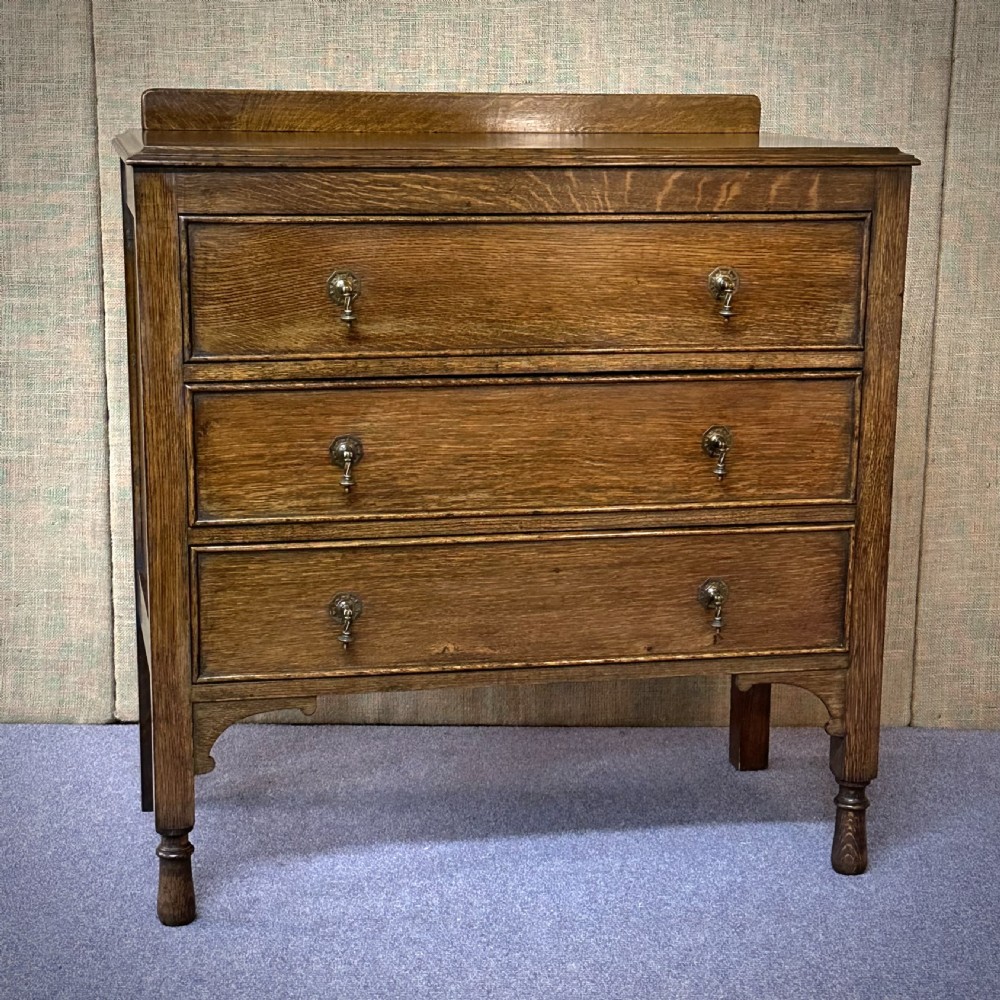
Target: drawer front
[260,289]
[463,447]
[518,601]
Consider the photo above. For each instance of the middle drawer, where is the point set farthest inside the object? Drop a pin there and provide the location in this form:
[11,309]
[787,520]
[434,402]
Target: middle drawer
[477,447]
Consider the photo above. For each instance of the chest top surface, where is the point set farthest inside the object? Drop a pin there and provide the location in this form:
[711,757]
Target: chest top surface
[261,128]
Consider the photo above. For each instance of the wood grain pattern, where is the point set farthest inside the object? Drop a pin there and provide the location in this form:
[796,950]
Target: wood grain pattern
[519,448]
[749,725]
[858,759]
[829,684]
[550,190]
[533,508]
[165,462]
[674,700]
[156,367]
[559,679]
[693,515]
[849,855]
[333,150]
[175,905]
[260,289]
[598,362]
[523,600]
[344,111]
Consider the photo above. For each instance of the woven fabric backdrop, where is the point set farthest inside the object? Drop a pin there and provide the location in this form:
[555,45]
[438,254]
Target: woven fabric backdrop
[55,560]
[870,72]
[826,68]
[958,642]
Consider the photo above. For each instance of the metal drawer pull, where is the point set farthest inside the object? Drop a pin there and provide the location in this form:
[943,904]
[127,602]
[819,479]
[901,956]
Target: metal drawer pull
[712,595]
[345,610]
[345,453]
[717,442]
[724,283]
[343,288]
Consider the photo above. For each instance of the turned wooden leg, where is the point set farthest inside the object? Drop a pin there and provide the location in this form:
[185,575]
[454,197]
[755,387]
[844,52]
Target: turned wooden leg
[175,900]
[173,776]
[850,836]
[749,726]
[850,840]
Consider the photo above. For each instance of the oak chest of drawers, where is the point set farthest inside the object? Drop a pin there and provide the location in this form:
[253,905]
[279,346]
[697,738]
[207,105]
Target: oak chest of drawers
[485,389]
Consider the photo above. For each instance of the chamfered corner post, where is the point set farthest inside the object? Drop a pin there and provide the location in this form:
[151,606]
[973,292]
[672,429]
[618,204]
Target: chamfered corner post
[161,416]
[854,755]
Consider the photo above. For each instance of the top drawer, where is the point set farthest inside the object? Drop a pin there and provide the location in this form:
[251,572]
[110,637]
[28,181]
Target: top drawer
[260,289]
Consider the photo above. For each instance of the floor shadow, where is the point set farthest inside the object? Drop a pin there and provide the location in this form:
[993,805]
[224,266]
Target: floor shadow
[317,789]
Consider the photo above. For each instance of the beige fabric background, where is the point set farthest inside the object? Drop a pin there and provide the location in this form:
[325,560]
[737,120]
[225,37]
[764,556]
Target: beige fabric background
[877,72]
[55,563]
[958,640]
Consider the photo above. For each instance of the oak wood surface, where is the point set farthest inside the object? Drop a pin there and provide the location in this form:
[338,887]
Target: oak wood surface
[278,532]
[259,289]
[523,600]
[849,855]
[322,150]
[534,360]
[556,363]
[562,680]
[163,437]
[175,905]
[749,726]
[857,759]
[158,363]
[829,684]
[359,111]
[471,191]
[695,699]
[518,448]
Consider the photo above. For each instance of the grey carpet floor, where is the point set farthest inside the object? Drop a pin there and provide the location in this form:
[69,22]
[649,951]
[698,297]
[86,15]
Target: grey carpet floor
[378,862]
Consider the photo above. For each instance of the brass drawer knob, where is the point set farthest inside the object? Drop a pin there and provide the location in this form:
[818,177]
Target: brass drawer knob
[343,288]
[345,453]
[724,283]
[345,610]
[717,442]
[712,595]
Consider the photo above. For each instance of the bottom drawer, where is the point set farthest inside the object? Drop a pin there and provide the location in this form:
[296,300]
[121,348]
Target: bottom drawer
[493,602]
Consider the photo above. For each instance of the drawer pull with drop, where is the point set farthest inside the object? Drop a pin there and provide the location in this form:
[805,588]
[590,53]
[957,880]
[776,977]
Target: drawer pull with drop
[724,283]
[712,595]
[343,288]
[345,609]
[717,442]
[345,453]
[276,289]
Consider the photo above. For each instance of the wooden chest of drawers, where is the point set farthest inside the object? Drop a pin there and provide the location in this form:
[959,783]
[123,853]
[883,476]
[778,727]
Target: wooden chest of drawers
[485,389]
